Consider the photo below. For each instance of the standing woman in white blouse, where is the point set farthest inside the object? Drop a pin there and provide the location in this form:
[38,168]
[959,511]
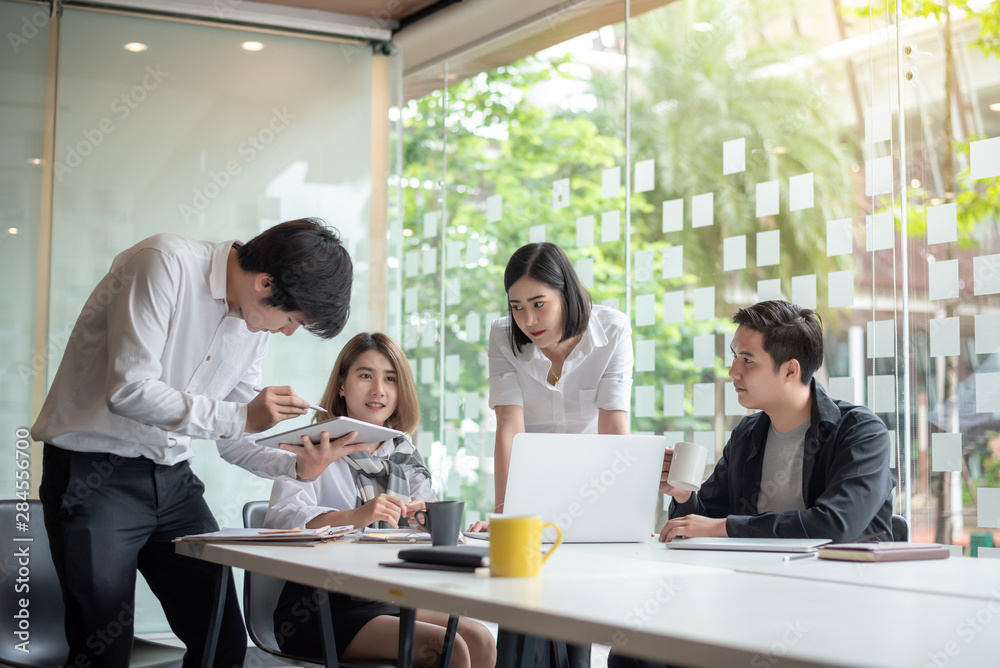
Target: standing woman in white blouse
[558,363]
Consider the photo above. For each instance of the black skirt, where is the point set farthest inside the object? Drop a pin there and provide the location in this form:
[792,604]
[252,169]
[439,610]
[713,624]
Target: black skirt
[297,627]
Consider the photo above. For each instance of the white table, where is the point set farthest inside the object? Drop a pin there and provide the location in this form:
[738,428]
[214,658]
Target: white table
[656,607]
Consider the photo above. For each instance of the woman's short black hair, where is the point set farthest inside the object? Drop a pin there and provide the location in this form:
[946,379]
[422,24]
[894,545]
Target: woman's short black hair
[789,332]
[548,264]
[310,269]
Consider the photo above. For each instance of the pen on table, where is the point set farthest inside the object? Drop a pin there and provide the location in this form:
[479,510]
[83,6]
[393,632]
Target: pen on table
[313,407]
[789,557]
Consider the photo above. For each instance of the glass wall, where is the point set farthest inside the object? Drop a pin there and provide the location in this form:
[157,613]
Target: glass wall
[702,156]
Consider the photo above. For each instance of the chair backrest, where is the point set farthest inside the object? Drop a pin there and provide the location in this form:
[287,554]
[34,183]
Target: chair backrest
[260,592]
[900,528]
[45,637]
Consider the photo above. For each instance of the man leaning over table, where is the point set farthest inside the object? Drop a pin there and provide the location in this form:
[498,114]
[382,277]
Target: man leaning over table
[804,466]
[167,348]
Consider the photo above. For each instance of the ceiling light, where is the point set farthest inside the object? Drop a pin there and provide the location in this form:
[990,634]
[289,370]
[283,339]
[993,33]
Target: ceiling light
[252,46]
[136,47]
[702,26]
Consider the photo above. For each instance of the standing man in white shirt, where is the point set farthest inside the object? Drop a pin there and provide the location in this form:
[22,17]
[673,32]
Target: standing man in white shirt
[168,348]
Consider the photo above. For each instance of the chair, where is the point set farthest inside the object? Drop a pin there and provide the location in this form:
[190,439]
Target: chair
[900,528]
[46,634]
[260,598]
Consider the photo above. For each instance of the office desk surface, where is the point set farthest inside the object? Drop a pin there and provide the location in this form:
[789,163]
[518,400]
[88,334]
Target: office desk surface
[689,614]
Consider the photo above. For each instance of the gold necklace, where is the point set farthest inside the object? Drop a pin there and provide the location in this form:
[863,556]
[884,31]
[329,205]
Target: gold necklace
[556,376]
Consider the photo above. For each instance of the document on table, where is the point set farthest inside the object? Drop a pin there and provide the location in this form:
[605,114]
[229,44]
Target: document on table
[270,536]
[404,535]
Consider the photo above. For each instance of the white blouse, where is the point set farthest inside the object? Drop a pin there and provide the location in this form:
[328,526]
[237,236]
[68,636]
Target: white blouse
[597,374]
[293,503]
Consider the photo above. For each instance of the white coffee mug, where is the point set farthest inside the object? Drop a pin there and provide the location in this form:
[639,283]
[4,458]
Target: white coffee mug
[687,467]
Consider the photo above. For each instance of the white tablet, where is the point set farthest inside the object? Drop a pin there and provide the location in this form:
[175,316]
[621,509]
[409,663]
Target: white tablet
[337,426]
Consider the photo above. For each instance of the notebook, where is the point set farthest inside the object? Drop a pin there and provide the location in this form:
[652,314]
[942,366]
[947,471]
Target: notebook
[599,488]
[883,551]
[749,544]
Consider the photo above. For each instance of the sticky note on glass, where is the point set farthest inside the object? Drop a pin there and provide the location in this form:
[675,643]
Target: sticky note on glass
[560,194]
[611,226]
[768,289]
[673,400]
[410,300]
[472,405]
[452,366]
[984,158]
[988,507]
[945,336]
[946,452]
[427,370]
[843,388]
[881,339]
[703,210]
[804,291]
[704,303]
[704,351]
[494,208]
[536,234]
[585,231]
[453,254]
[472,334]
[645,401]
[673,262]
[473,251]
[431,224]
[879,231]
[839,237]
[727,348]
[767,198]
[453,291]
[451,406]
[703,399]
[878,176]
[409,336]
[673,307]
[987,392]
[987,333]
[430,260]
[942,280]
[768,248]
[673,215]
[644,176]
[986,275]
[734,156]
[878,123]
[645,310]
[800,192]
[611,182]
[882,393]
[645,355]
[706,439]
[942,223]
[644,265]
[585,271]
[732,400]
[451,441]
[411,263]
[428,335]
[841,288]
[734,253]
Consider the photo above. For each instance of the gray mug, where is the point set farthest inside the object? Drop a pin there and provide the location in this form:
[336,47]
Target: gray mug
[442,520]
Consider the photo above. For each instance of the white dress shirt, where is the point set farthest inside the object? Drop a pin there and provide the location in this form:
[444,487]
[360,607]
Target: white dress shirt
[156,359]
[597,374]
[293,503]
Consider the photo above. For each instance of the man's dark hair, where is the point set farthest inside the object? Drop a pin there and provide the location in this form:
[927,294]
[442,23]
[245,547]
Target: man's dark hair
[790,332]
[548,264]
[310,270]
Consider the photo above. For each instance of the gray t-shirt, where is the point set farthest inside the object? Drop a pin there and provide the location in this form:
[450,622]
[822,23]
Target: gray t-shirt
[781,477]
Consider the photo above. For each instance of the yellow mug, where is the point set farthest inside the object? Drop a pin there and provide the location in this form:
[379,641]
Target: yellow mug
[516,546]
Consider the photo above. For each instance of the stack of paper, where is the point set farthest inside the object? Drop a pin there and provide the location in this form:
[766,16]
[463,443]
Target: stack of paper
[270,536]
[405,535]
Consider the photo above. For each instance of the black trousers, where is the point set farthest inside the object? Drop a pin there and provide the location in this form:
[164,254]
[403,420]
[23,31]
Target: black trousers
[108,517]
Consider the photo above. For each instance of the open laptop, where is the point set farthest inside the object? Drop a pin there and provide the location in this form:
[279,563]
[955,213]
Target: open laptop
[598,488]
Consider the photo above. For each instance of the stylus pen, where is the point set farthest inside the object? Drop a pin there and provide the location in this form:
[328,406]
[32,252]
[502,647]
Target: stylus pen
[315,408]
[789,557]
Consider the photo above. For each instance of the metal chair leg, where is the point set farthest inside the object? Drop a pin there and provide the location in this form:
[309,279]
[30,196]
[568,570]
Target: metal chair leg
[215,621]
[326,621]
[407,617]
[449,642]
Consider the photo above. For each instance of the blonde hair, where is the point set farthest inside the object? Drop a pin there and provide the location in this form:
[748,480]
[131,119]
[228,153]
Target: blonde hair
[406,417]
